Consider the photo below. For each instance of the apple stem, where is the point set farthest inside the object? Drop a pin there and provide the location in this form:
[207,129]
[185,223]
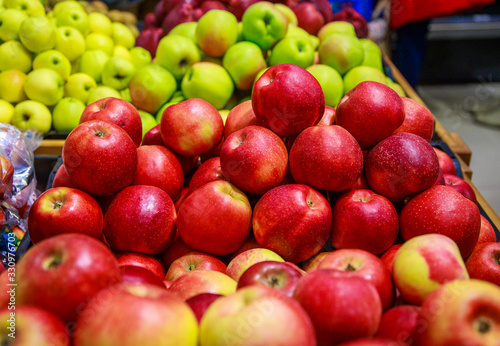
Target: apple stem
[99,134]
[350,268]
[274,282]
[58,205]
[483,325]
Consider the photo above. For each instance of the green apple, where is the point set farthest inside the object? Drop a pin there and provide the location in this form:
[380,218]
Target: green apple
[336,27]
[66,114]
[177,53]
[217,30]
[70,42]
[75,18]
[55,60]
[187,29]
[125,95]
[37,33]
[372,54]
[92,62]
[32,114]
[341,52]
[44,85]
[148,121]
[151,86]
[361,74]
[30,7]
[314,41]
[264,24]
[79,85]
[122,52]
[243,61]
[6,112]
[10,22]
[140,57]
[66,5]
[294,30]
[208,81]
[331,82]
[122,35]
[13,56]
[395,86]
[99,41]
[102,92]
[12,86]
[117,73]
[288,13]
[177,97]
[296,50]
[100,23]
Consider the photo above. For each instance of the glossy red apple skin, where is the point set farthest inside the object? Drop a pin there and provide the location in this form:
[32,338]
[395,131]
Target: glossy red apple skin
[139,276]
[460,185]
[308,17]
[388,256]
[328,117]
[442,210]
[64,210]
[240,117]
[354,262]
[178,202]
[278,275]
[208,171]
[201,302]
[153,137]
[202,281]
[326,158]
[159,167]
[280,100]
[486,233]
[141,260]
[374,341]
[364,220]
[418,119]
[216,218]
[484,263]
[173,252]
[78,265]
[400,323]
[118,112]
[292,220]
[61,178]
[254,159]
[99,157]
[401,165]
[336,313]
[142,219]
[445,162]
[194,261]
[371,111]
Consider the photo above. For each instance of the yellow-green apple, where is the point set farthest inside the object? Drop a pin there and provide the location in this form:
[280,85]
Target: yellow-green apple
[92,63]
[239,117]
[288,12]
[243,61]
[206,209]
[256,315]
[244,260]
[401,165]
[118,112]
[13,56]
[339,315]
[200,303]
[12,86]
[142,260]
[336,27]
[342,52]
[331,83]
[208,171]
[151,86]
[64,210]
[122,35]
[31,325]
[66,114]
[121,52]
[140,57]
[75,18]
[10,22]
[388,256]
[177,53]
[54,60]
[445,162]
[373,54]
[102,92]
[146,225]
[216,31]
[187,29]
[460,186]
[191,127]
[161,318]
[395,86]
[44,85]
[418,119]
[356,262]
[202,281]
[332,155]
[79,86]
[31,7]
[148,121]
[364,220]
[280,100]
[360,74]
[461,312]
[193,261]
[400,324]
[208,81]
[100,23]
[66,5]
[140,276]
[37,33]
[441,209]
[117,73]
[99,41]
[293,220]
[424,263]
[484,262]
[6,112]
[264,24]
[308,17]
[29,114]
[254,159]
[63,261]
[159,167]
[100,157]
[293,50]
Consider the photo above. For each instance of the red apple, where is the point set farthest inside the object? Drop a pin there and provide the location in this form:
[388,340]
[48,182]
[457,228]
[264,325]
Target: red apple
[182,13]
[193,261]
[202,281]
[401,165]
[61,178]
[64,210]
[182,197]
[240,117]
[460,185]
[254,159]
[153,137]
[200,303]
[139,276]
[487,232]
[149,39]
[440,179]
[484,263]
[281,101]
[214,152]
[400,324]
[208,171]
[141,260]
[118,112]
[388,256]
[364,220]
[99,157]
[373,341]
[63,272]
[442,210]
[350,15]
[176,250]
[292,220]
[188,164]
[249,244]
[328,117]
[208,5]
[309,18]
[6,177]
[445,162]
[418,119]
[313,262]
[326,158]
[246,259]
[238,7]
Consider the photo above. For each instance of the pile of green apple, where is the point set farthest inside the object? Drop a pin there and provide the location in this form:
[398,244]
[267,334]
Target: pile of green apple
[53,64]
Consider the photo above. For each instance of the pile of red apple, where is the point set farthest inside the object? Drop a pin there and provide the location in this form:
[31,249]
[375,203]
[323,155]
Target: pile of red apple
[291,223]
